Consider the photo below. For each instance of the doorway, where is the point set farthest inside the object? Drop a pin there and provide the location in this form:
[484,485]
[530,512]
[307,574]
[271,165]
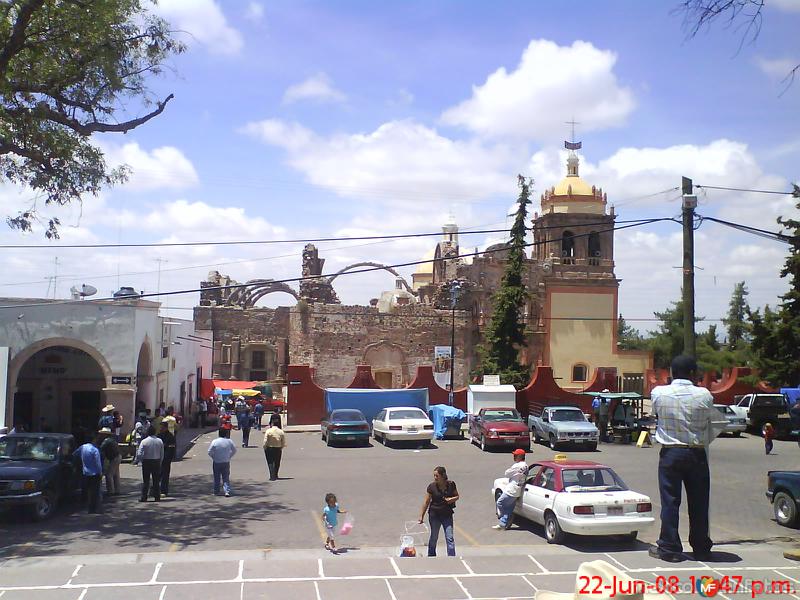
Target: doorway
[385,379]
[85,414]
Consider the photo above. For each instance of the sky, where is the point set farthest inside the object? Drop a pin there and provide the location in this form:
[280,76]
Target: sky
[299,120]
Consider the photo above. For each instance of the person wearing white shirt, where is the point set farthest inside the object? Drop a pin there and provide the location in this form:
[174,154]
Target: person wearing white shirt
[516,473]
[150,454]
[221,451]
[685,426]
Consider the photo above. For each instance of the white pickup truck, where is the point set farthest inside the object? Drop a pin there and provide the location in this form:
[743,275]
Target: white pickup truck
[562,425]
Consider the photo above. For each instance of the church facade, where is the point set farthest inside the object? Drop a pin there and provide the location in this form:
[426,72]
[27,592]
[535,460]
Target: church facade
[570,316]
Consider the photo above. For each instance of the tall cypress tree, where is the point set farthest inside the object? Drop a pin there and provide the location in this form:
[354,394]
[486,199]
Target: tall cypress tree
[735,322]
[505,336]
[776,334]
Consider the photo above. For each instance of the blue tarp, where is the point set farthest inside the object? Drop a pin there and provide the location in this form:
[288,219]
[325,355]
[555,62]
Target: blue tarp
[792,395]
[442,415]
[370,402]
[220,392]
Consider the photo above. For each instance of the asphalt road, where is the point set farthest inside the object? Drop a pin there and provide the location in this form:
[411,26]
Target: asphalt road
[383,488]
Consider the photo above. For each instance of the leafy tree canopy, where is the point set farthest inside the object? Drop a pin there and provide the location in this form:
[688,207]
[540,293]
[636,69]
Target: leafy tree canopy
[68,70]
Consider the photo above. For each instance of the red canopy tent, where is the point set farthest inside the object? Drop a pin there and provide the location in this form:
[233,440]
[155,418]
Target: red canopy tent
[207,386]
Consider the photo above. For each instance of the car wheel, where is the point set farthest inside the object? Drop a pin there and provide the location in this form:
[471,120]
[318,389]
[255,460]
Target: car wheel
[785,509]
[483,443]
[44,507]
[497,494]
[592,447]
[553,442]
[536,438]
[552,530]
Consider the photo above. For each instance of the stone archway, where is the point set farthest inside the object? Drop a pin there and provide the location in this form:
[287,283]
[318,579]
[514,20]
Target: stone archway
[58,384]
[378,266]
[387,358]
[145,381]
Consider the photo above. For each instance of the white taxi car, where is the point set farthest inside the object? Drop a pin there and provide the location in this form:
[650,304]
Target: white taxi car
[580,497]
[402,424]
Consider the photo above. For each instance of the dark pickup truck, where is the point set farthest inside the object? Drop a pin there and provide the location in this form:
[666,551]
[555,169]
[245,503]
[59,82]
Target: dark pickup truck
[37,470]
[783,490]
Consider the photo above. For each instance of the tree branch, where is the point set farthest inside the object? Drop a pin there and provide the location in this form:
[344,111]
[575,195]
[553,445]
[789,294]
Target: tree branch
[17,39]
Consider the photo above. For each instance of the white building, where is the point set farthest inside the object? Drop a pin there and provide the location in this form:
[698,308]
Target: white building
[69,358]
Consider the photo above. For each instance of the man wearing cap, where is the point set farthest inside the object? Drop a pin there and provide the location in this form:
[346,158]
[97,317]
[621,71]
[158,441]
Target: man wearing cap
[685,425]
[109,450]
[516,474]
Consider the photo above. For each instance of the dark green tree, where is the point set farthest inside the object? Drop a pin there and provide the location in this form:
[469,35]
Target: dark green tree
[70,69]
[505,335]
[710,339]
[736,321]
[628,337]
[776,334]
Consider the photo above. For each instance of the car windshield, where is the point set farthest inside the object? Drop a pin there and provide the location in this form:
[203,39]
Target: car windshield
[407,414]
[502,415]
[28,448]
[567,415]
[776,400]
[724,409]
[347,415]
[600,479]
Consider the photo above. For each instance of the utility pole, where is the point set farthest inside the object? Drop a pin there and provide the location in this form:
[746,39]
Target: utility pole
[689,204]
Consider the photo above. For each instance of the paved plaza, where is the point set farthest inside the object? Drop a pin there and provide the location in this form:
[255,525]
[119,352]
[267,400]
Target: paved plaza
[266,541]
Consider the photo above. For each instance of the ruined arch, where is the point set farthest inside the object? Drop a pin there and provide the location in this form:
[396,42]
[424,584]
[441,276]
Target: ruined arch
[255,289]
[377,265]
[387,357]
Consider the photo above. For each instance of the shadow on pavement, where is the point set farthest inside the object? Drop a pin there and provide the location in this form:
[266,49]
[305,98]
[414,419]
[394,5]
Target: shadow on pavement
[582,543]
[191,515]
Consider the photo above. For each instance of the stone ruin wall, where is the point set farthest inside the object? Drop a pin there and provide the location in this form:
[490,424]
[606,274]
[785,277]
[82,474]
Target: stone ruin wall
[334,339]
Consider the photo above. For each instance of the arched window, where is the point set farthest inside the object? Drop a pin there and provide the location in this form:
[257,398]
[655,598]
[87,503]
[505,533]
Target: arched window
[579,372]
[567,248]
[594,248]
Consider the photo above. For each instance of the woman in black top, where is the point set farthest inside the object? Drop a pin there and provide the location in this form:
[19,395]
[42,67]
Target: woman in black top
[440,499]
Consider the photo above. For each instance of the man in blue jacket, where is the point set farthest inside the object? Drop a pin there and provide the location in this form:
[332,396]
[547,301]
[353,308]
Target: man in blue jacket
[92,474]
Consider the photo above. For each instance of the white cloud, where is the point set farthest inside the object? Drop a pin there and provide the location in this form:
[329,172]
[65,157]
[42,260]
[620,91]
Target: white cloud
[776,68]
[162,168]
[403,162]
[550,85]
[316,88]
[254,12]
[204,22]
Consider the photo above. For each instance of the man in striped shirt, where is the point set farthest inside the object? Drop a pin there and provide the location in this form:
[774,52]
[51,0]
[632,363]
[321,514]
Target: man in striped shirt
[685,413]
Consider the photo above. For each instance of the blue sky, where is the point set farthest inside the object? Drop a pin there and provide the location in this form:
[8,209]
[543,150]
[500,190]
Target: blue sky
[301,119]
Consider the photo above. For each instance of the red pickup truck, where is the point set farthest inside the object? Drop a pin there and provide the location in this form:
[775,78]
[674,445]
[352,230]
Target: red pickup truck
[499,427]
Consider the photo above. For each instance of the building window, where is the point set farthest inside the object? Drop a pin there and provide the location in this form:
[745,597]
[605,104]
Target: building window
[258,359]
[226,354]
[567,248]
[579,372]
[164,351]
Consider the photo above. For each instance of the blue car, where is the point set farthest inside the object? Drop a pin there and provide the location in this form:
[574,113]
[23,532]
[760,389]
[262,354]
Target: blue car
[345,425]
[783,490]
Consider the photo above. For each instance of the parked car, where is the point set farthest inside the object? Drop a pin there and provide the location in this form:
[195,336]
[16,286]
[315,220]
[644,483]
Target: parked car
[37,470]
[499,427]
[561,425]
[345,425]
[783,490]
[757,409]
[582,498]
[402,424]
[736,424]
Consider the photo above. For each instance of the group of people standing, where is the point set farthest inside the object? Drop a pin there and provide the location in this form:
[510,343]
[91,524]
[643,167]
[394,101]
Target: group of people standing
[155,454]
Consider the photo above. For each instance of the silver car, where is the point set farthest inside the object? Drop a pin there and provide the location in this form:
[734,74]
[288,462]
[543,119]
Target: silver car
[736,423]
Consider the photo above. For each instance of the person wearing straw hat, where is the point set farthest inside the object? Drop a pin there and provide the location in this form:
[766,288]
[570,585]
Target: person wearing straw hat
[599,580]
[109,451]
[107,418]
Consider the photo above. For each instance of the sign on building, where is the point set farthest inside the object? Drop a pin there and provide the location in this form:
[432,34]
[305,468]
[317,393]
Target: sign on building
[442,363]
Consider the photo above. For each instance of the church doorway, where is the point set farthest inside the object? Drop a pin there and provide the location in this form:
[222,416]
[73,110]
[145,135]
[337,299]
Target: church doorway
[385,379]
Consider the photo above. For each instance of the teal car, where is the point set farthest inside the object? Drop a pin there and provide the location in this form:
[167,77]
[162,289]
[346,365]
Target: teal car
[783,490]
[345,425]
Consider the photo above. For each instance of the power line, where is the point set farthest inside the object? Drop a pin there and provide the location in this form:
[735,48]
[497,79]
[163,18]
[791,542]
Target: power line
[732,189]
[770,235]
[364,270]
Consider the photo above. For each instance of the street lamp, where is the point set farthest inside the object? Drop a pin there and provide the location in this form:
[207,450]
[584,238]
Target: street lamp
[455,289]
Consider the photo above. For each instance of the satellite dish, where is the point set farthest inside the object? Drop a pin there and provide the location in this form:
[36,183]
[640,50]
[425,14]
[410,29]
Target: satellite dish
[87,290]
[547,267]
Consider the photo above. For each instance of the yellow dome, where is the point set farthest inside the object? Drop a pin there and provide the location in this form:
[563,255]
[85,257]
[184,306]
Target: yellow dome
[578,185]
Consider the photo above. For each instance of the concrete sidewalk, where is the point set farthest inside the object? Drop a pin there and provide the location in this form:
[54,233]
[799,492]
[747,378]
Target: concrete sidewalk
[376,573]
